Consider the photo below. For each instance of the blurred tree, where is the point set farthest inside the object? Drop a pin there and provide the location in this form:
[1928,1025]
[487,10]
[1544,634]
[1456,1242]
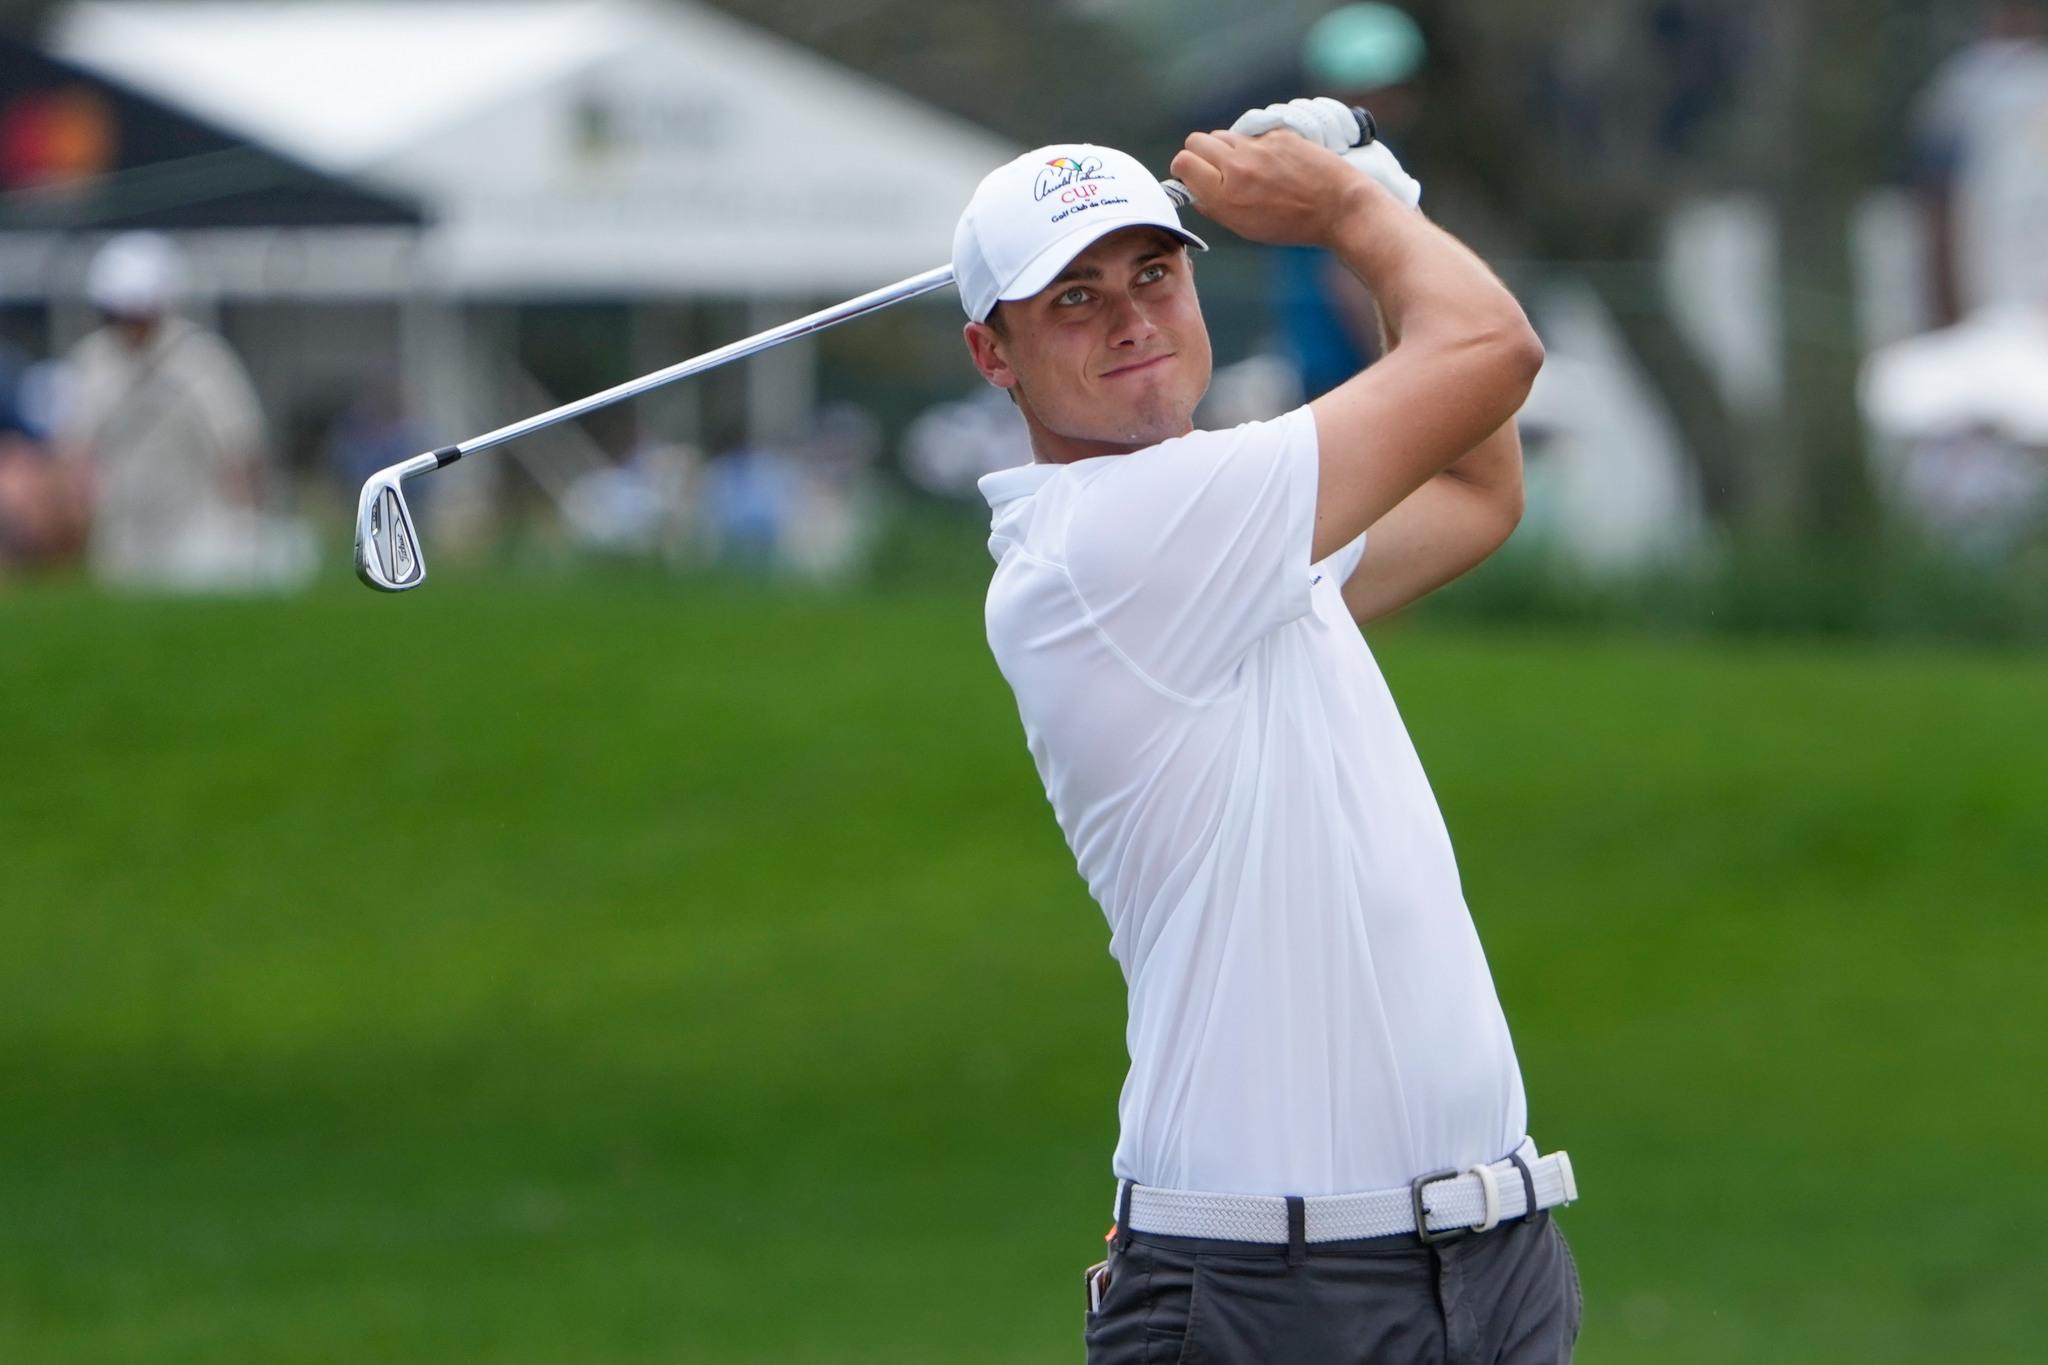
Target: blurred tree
[1569,142]
[1581,123]
[1035,72]
[1837,108]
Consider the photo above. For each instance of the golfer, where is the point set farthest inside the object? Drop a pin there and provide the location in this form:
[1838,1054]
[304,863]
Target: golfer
[1324,1154]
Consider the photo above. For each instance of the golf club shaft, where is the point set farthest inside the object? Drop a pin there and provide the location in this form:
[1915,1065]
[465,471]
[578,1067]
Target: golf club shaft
[866,303]
[926,283]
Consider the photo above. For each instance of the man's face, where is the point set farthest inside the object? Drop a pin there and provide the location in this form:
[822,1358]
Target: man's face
[1111,356]
[134,330]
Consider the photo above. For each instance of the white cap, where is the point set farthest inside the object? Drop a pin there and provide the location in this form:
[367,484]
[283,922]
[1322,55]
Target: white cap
[1031,217]
[135,275]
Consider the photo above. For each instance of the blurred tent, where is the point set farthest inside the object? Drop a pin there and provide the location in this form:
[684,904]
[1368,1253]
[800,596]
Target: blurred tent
[1963,413]
[1986,373]
[80,151]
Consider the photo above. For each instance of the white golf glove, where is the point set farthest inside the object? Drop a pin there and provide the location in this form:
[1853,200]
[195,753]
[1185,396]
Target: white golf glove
[1323,121]
[1330,125]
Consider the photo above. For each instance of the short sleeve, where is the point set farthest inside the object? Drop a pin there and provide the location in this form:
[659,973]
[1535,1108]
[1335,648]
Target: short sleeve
[1344,563]
[1188,553]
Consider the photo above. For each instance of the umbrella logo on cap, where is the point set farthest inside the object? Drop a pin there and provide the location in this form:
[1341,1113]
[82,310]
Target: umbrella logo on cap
[1062,171]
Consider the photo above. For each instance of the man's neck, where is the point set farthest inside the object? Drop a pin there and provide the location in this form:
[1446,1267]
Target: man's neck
[1050,447]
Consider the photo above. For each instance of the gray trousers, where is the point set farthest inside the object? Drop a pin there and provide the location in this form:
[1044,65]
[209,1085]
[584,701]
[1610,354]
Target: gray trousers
[1505,1297]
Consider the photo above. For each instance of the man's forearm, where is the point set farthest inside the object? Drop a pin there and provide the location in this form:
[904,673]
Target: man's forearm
[1406,260]
[1494,466]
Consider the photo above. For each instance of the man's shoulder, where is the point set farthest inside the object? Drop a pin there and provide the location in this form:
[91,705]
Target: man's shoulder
[1108,497]
[1209,467]
[1274,431]
[1191,453]
[96,347]
[186,342]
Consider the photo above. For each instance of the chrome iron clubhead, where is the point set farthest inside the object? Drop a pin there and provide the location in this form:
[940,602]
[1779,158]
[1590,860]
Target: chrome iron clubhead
[387,547]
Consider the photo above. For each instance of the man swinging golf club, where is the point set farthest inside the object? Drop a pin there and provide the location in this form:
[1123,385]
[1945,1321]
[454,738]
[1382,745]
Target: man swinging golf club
[1323,1153]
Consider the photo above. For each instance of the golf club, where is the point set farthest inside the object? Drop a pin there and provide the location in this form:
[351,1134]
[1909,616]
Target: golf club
[388,555]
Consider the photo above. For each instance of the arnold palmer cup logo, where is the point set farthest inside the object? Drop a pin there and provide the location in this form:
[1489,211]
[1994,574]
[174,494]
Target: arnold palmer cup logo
[1073,181]
[1076,185]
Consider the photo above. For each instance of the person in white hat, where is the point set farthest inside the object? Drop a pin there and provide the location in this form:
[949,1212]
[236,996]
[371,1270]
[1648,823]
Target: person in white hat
[160,418]
[1324,1154]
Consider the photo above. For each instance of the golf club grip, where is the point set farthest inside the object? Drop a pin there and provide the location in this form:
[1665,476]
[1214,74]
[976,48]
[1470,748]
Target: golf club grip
[1368,133]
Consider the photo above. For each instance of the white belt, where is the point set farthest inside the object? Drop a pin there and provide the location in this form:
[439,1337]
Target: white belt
[1436,1207]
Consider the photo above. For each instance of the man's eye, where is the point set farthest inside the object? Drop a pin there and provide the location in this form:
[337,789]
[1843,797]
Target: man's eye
[1074,295]
[1152,273]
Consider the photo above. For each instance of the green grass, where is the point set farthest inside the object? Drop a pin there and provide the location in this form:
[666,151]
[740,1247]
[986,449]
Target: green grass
[615,971]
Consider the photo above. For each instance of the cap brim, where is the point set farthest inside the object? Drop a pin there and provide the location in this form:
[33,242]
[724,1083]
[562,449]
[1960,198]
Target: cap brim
[1041,269]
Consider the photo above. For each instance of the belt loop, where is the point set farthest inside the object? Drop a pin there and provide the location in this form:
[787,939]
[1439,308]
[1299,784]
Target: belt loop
[1528,1182]
[1297,1230]
[1489,1185]
[1123,1215]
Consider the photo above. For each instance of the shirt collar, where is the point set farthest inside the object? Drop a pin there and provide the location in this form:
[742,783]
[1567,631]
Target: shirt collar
[1021,482]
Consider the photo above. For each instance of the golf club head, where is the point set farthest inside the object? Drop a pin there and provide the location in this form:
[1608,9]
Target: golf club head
[387,547]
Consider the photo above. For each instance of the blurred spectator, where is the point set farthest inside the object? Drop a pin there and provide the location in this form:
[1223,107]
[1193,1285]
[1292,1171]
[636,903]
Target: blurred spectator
[162,419]
[1698,49]
[370,434]
[833,514]
[42,513]
[1367,54]
[951,445]
[810,511]
[644,505]
[1364,54]
[748,497]
[1964,408]
[1965,413]
[1982,135]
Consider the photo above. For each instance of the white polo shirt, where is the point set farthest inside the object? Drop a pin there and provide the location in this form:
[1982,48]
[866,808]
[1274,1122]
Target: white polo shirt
[1310,1011]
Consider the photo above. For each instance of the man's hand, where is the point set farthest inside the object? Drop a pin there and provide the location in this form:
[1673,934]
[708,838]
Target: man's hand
[1277,188]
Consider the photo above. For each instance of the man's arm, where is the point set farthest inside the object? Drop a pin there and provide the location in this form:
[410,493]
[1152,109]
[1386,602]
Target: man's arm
[1465,355]
[1441,530]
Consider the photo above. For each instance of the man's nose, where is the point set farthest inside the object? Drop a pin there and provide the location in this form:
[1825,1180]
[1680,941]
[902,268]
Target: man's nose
[1129,322]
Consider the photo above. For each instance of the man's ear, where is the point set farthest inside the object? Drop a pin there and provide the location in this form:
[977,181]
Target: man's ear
[989,351]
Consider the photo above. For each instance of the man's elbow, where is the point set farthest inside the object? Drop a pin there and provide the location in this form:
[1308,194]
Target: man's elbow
[1503,355]
[1520,354]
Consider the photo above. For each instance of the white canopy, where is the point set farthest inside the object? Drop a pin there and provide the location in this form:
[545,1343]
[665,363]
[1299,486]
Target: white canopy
[1988,372]
[572,146]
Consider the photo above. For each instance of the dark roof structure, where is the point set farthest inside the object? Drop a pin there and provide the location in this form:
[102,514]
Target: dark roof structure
[79,152]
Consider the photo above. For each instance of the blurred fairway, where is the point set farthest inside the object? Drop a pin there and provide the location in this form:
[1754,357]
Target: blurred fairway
[617,971]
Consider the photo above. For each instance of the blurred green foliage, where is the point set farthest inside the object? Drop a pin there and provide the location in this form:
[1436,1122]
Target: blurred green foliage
[610,969]
[1899,589]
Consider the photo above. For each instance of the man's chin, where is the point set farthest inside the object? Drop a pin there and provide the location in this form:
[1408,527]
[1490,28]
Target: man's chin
[1130,428]
[1150,428]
